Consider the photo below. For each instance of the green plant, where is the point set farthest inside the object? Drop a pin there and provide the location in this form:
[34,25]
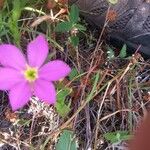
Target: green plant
[72,26]
[113,1]
[123,51]
[11,12]
[110,53]
[62,108]
[117,136]
[67,141]
[13,20]
[122,54]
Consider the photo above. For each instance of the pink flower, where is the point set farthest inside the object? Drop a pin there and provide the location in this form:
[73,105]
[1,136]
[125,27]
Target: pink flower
[26,78]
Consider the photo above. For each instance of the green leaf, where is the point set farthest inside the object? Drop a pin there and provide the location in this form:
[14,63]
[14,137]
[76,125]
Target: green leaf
[62,108]
[63,26]
[123,51]
[67,141]
[80,27]
[117,136]
[13,21]
[74,14]
[113,1]
[110,53]
[62,94]
[24,122]
[74,73]
[74,40]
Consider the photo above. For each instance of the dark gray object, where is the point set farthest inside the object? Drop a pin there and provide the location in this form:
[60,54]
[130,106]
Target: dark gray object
[129,20]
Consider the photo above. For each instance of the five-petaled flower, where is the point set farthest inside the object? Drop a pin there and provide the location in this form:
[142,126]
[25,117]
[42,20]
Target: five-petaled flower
[25,78]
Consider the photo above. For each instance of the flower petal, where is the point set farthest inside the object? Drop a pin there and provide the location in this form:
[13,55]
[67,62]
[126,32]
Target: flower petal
[54,70]
[19,95]
[9,77]
[37,51]
[11,56]
[45,91]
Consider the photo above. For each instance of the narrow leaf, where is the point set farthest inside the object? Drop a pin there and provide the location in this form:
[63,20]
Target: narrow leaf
[117,136]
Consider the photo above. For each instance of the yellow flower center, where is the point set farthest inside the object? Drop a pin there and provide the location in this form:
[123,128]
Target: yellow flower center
[31,74]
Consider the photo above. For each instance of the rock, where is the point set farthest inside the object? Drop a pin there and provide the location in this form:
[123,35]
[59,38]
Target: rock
[128,21]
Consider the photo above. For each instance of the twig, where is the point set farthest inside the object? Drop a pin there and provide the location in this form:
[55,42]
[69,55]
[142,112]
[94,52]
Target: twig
[99,114]
[88,127]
